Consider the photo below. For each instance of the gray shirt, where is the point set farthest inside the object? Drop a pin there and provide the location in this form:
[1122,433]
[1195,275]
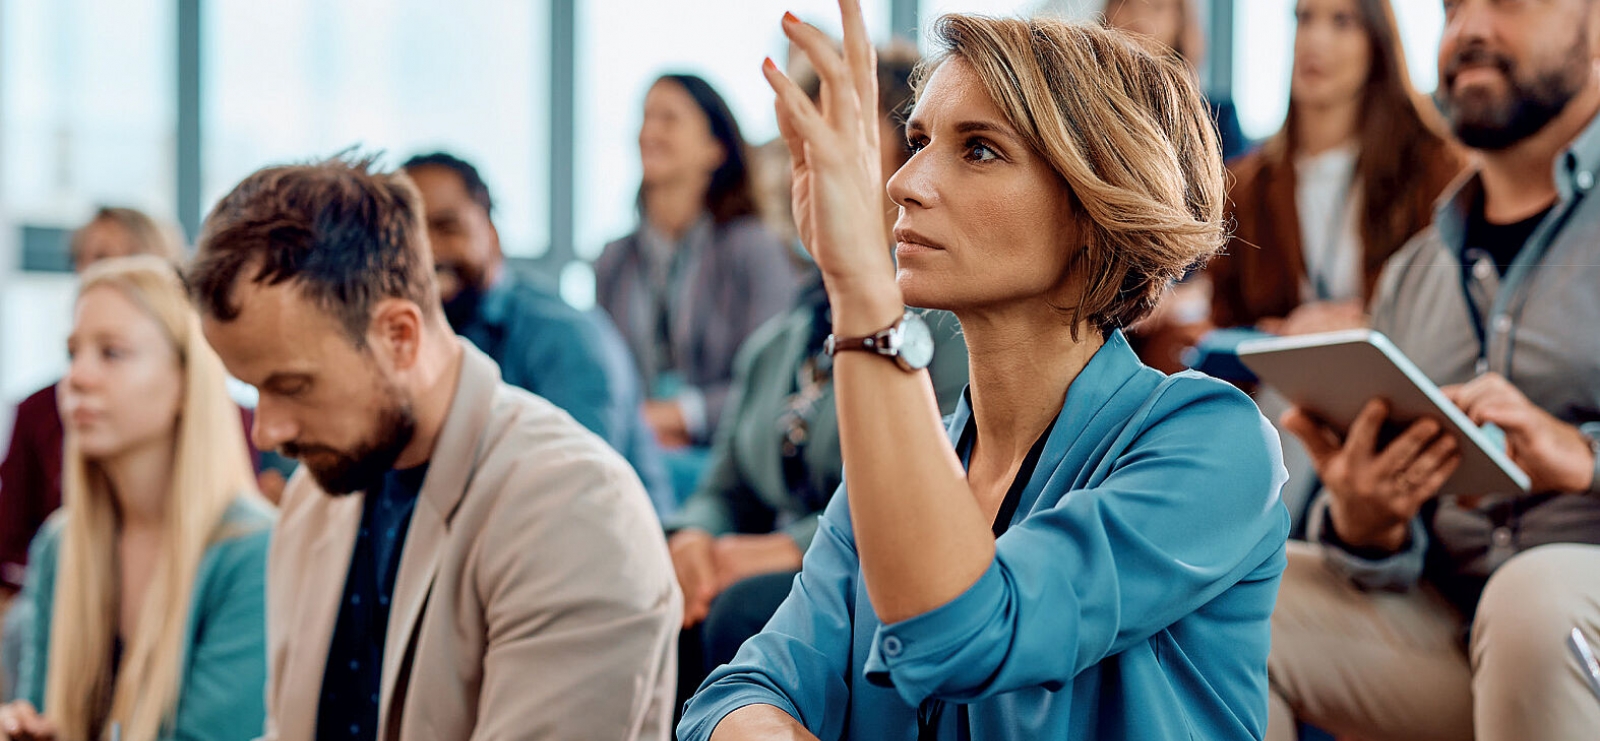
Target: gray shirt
[1540,329]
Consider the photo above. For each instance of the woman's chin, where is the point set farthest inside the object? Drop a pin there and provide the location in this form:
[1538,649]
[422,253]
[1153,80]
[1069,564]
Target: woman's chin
[921,290]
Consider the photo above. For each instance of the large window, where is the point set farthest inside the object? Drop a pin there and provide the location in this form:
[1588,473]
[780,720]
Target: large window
[86,118]
[1264,49]
[291,80]
[624,45]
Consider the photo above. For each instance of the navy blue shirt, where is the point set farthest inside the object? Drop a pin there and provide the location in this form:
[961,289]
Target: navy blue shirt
[350,683]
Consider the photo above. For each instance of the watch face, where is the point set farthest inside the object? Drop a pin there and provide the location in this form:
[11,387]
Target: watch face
[916,342]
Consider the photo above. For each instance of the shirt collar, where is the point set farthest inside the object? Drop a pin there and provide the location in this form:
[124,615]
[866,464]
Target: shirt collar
[1576,170]
[496,301]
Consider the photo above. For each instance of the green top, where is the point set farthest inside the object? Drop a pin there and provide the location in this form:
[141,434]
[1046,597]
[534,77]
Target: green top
[744,489]
[225,661]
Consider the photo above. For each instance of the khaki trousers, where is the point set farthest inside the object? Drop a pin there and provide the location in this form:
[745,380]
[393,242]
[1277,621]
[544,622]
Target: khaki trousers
[1385,666]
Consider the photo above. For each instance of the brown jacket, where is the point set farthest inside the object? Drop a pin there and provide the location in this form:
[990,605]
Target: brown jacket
[535,597]
[1260,272]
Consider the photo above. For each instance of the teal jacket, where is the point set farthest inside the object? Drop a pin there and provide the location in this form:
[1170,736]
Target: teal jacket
[223,696]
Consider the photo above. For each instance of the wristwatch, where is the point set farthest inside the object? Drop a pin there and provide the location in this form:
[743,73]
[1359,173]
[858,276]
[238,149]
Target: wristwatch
[1591,430]
[907,342]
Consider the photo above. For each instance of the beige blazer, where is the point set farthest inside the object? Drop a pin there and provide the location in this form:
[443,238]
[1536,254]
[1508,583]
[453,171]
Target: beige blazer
[535,597]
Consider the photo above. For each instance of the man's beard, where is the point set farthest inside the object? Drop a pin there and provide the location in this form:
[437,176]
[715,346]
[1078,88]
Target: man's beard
[341,472]
[1481,120]
[461,310]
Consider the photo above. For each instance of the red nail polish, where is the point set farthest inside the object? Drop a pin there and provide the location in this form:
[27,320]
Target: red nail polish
[789,17]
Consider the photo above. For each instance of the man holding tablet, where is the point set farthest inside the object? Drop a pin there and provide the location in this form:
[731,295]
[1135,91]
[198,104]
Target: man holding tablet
[1416,616]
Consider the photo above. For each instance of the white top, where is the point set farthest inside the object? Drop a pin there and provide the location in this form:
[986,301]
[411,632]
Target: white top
[1327,197]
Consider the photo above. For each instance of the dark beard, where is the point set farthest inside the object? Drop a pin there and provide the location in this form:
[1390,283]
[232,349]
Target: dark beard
[461,310]
[1486,123]
[362,469]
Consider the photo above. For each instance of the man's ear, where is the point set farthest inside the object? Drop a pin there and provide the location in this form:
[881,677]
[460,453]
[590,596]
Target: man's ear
[396,332]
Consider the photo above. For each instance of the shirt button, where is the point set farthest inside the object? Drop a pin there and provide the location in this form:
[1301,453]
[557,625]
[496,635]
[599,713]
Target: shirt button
[355,730]
[355,599]
[1502,324]
[383,599]
[892,647]
[1483,269]
[374,698]
[1585,180]
[355,666]
[1501,537]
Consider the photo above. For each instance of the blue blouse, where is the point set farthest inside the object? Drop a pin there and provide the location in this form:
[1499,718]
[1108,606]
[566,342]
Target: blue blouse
[1129,599]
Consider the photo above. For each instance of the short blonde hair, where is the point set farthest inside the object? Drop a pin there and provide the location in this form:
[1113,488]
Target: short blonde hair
[1128,131]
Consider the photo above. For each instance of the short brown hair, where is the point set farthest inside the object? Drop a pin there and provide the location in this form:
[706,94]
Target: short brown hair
[149,236]
[345,232]
[1127,130]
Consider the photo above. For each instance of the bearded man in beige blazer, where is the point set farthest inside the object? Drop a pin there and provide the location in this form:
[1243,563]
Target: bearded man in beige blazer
[457,558]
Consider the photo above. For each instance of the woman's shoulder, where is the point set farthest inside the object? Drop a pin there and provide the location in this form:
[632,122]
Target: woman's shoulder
[1194,401]
[245,526]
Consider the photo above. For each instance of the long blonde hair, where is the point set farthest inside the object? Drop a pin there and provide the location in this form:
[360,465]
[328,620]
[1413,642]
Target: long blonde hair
[211,469]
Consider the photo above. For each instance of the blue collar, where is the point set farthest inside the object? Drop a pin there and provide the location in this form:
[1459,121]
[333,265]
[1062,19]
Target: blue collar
[496,301]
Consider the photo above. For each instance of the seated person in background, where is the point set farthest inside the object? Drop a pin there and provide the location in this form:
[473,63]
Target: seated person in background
[1414,616]
[1091,549]
[30,476]
[776,459]
[1352,175]
[456,558]
[574,359]
[148,589]
[700,272]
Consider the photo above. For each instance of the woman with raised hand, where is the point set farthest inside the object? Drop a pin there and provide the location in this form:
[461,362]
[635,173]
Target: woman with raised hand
[148,586]
[1090,549]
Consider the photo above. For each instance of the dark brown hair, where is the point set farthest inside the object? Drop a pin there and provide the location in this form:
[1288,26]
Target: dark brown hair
[345,233]
[1399,131]
[1139,155]
[731,193]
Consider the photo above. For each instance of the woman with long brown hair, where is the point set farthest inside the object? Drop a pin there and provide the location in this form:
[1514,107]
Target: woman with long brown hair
[148,587]
[1351,176]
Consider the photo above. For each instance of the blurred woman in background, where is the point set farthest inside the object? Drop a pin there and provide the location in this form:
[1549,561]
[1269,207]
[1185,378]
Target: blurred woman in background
[699,274]
[1350,177]
[148,587]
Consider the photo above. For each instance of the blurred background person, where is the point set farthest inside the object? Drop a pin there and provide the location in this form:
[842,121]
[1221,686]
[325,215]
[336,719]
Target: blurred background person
[147,591]
[1352,175]
[699,274]
[776,461]
[574,359]
[30,475]
[1320,207]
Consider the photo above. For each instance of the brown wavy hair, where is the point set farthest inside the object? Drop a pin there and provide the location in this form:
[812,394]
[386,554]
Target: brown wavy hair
[1138,154]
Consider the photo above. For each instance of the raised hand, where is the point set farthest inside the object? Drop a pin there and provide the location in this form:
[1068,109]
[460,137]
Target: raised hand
[834,144]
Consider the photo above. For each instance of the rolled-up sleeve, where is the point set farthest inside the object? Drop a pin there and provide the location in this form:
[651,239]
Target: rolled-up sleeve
[1397,572]
[1189,509]
[800,662]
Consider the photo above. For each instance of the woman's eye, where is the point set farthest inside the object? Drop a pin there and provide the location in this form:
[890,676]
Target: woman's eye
[915,145]
[981,152]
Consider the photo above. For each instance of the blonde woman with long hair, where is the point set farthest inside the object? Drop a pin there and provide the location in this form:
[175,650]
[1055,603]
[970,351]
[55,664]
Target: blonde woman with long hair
[148,586]
[1087,549]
